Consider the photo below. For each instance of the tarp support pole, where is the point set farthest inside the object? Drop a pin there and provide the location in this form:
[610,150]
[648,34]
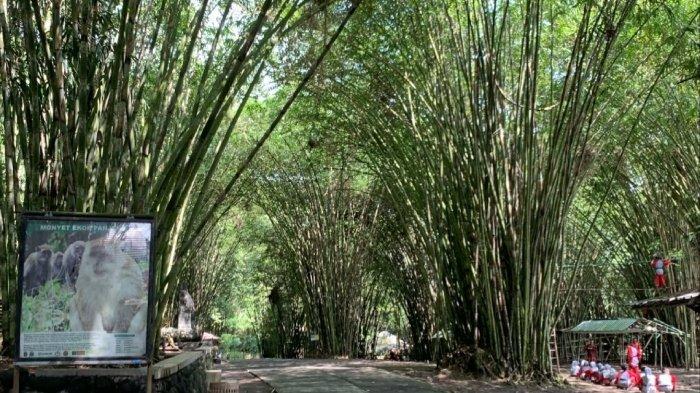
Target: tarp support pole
[661,351]
[621,349]
[656,350]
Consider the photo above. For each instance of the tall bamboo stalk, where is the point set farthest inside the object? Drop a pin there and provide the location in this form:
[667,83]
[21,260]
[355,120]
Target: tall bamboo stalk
[328,233]
[482,149]
[100,114]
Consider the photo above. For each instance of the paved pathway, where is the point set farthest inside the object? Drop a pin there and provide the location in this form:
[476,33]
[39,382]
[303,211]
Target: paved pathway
[354,376]
[243,381]
[324,376]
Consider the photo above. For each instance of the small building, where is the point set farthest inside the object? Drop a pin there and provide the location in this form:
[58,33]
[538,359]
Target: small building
[611,336]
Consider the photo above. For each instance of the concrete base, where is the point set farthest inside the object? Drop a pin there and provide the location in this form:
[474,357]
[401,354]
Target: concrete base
[184,373]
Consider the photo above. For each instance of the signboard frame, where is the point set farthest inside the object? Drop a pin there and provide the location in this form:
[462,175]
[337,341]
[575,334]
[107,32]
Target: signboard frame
[25,217]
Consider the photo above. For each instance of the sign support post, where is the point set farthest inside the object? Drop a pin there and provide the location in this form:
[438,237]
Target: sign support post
[149,378]
[15,379]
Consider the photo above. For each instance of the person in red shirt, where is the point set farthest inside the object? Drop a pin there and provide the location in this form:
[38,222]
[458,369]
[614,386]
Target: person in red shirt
[634,355]
[585,369]
[666,382]
[592,370]
[591,351]
[597,373]
[608,374]
[626,378]
[637,345]
[660,265]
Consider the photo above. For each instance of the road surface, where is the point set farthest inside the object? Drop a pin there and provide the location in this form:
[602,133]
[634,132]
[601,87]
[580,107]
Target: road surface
[352,376]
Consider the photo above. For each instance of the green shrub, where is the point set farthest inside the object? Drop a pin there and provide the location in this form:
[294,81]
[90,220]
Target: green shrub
[239,346]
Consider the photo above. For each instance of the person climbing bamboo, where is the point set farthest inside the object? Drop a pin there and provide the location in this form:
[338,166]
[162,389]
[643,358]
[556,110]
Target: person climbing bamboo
[660,265]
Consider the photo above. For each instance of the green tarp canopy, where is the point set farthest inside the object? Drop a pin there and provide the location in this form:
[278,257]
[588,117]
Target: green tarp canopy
[625,326]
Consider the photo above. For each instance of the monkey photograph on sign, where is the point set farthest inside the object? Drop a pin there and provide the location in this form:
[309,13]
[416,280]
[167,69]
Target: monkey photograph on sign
[84,288]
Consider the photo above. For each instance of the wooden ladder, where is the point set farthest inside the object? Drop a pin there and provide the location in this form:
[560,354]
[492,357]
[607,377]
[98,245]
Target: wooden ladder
[554,350]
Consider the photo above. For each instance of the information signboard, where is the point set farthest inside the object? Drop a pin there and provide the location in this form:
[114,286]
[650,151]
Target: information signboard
[85,289]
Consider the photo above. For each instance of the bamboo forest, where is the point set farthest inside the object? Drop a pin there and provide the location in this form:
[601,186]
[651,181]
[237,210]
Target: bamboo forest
[350,195]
